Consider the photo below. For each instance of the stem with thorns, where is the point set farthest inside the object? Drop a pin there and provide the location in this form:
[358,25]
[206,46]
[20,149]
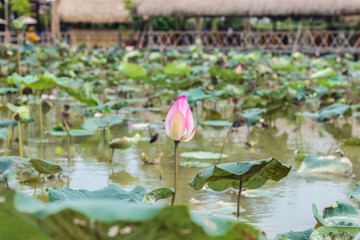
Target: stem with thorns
[176,170]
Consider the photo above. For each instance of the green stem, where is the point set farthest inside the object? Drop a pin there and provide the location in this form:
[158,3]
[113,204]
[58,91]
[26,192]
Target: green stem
[68,142]
[176,170]
[41,120]
[223,146]
[20,139]
[238,201]
[9,136]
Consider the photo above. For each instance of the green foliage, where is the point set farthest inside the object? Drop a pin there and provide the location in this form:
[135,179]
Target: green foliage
[21,7]
[253,174]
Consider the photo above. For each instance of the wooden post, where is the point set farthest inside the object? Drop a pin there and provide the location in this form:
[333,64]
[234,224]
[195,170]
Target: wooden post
[150,32]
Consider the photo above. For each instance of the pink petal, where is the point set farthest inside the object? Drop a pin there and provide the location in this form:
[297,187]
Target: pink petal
[189,122]
[177,126]
[238,69]
[180,105]
[190,137]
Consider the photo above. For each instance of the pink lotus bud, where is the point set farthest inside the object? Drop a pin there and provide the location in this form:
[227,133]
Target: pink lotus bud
[338,59]
[238,69]
[180,122]
[139,126]
[98,115]
[212,58]
[317,53]
[313,58]
[44,96]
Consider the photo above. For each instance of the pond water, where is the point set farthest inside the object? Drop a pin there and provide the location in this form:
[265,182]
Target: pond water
[289,209]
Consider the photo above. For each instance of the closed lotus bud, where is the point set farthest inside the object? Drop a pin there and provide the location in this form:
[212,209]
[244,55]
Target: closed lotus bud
[180,122]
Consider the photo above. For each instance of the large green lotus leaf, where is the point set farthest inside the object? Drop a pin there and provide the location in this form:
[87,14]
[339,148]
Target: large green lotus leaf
[253,174]
[334,233]
[340,214]
[4,133]
[356,193]
[282,64]
[9,166]
[332,111]
[131,70]
[47,167]
[216,123]
[177,68]
[301,235]
[7,122]
[202,155]
[112,192]
[90,102]
[72,220]
[23,111]
[101,123]
[325,73]
[252,115]
[325,164]
[6,91]
[157,194]
[73,132]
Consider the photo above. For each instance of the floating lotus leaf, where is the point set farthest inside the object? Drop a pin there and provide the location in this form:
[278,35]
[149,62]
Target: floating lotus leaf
[216,123]
[252,115]
[326,164]
[325,73]
[101,123]
[47,167]
[301,235]
[6,91]
[131,70]
[177,68]
[111,192]
[73,132]
[356,193]
[334,233]
[333,111]
[253,174]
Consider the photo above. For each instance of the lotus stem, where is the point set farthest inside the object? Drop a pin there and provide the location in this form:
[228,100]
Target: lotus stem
[9,135]
[68,141]
[108,132]
[238,201]
[223,146]
[20,139]
[112,154]
[41,120]
[176,170]
[160,167]
[19,67]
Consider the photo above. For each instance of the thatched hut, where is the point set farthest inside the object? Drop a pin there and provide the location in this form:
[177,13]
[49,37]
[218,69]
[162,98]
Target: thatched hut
[89,11]
[248,8]
[92,11]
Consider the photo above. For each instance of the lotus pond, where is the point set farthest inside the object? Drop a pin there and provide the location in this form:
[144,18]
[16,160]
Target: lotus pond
[87,117]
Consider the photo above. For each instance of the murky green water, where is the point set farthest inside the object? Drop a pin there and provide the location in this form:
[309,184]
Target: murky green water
[290,209]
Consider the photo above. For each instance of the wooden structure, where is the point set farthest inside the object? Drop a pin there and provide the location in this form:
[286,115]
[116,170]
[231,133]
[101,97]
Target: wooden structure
[267,41]
[304,40]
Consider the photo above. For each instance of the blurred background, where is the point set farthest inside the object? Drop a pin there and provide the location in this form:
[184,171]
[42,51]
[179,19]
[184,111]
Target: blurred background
[282,26]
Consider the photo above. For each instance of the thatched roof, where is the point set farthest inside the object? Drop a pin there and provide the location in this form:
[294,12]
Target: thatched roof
[248,8]
[92,11]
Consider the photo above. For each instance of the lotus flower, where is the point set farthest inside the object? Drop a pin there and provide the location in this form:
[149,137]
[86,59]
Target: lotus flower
[238,69]
[338,59]
[180,122]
